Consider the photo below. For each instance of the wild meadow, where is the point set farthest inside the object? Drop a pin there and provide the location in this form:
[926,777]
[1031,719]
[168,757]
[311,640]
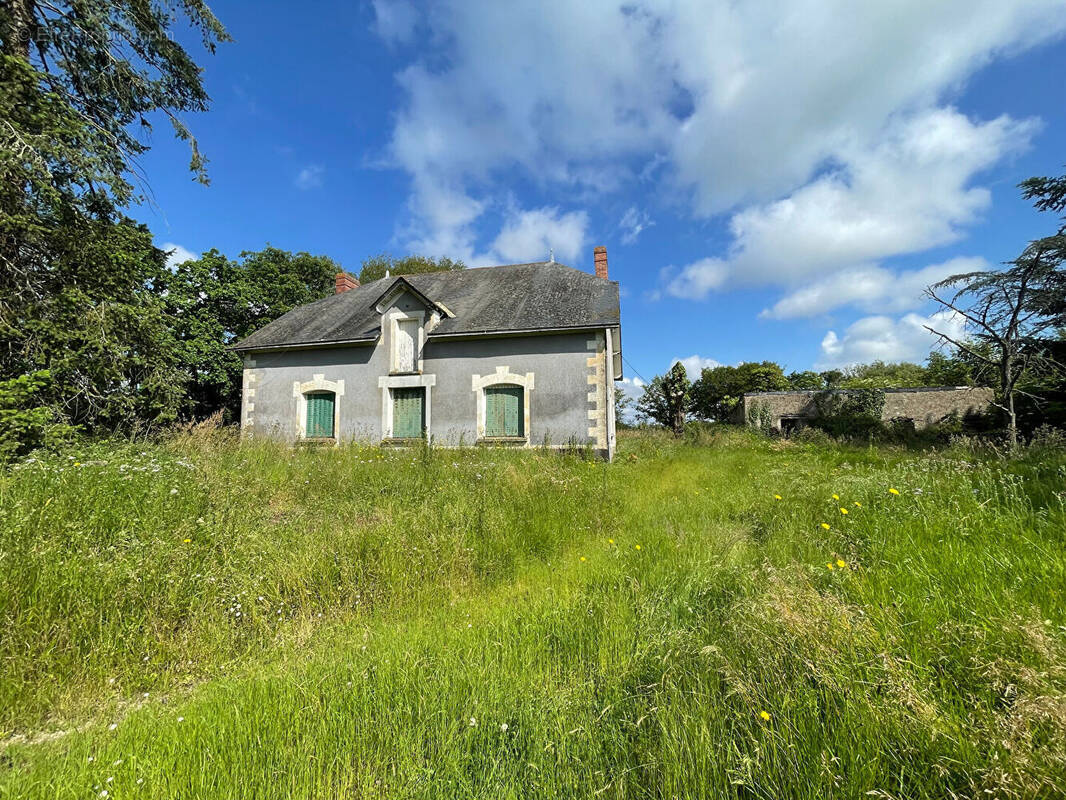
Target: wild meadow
[723,616]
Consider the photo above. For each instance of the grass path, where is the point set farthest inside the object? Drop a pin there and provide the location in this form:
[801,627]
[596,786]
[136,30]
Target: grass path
[503,636]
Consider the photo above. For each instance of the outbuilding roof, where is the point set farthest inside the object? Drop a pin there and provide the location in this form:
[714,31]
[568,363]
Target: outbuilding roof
[538,297]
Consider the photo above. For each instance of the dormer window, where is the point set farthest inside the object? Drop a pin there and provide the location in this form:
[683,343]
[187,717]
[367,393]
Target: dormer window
[407,338]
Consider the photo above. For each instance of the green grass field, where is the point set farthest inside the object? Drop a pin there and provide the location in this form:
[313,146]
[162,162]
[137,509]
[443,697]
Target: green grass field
[202,619]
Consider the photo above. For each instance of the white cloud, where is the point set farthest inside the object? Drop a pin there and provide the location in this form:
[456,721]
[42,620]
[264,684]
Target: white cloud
[908,193]
[695,364]
[529,235]
[871,288]
[887,339]
[395,20]
[176,254]
[310,177]
[726,103]
[633,223]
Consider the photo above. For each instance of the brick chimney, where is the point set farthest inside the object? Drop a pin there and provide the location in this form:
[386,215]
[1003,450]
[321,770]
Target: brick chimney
[599,255]
[343,282]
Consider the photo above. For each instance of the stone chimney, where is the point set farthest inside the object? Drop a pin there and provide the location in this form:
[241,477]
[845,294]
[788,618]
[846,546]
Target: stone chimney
[599,255]
[343,282]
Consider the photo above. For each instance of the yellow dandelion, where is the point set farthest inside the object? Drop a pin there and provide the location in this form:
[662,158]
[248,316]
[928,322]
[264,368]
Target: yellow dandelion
[825,525]
[843,510]
[836,497]
[841,563]
[829,565]
[858,504]
[777,497]
[637,546]
[765,716]
[186,540]
[893,491]
[610,541]
[582,558]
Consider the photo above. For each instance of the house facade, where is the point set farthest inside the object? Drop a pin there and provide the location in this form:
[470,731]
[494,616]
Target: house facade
[522,355]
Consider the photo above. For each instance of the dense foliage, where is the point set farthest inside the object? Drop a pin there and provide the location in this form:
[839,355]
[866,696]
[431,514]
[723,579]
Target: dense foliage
[718,390]
[212,301]
[667,399]
[378,266]
[80,86]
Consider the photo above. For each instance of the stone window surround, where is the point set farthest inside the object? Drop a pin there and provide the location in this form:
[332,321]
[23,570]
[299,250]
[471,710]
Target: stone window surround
[389,382]
[318,383]
[502,376]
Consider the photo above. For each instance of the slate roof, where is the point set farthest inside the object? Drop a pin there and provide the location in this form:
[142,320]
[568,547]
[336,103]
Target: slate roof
[542,296]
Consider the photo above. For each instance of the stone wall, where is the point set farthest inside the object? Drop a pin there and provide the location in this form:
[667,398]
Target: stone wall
[926,405]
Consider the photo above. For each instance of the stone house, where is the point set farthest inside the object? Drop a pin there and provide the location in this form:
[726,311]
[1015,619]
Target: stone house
[790,411]
[523,355]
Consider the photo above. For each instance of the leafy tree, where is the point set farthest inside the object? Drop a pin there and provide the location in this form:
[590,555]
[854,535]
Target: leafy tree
[879,375]
[805,380]
[1005,326]
[26,421]
[375,267]
[717,392]
[666,399]
[79,84]
[80,81]
[1049,298]
[96,323]
[832,378]
[213,301]
[948,370]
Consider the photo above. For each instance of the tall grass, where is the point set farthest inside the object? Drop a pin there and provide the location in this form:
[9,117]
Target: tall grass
[212,619]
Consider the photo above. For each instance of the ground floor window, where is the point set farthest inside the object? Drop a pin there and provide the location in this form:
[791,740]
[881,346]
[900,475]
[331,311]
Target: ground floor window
[408,412]
[321,407]
[504,411]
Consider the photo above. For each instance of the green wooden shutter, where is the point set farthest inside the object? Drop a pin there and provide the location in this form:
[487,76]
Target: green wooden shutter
[320,414]
[504,412]
[408,413]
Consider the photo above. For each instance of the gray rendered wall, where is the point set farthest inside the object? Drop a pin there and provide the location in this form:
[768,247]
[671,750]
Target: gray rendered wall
[560,402]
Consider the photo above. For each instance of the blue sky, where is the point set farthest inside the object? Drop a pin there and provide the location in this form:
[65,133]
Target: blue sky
[769,185]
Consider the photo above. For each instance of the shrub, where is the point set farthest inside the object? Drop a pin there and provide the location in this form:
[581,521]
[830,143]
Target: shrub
[853,414]
[759,416]
[811,435]
[27,424]
[1048,437]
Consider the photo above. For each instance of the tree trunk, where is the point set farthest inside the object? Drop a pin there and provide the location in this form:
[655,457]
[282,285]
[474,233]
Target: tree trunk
[1006,384]
[1012,421]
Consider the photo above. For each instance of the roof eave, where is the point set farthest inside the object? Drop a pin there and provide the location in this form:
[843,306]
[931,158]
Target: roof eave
[592,326]
[238,348]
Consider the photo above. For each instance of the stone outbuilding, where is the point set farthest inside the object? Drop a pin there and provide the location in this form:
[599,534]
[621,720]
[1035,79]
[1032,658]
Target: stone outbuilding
[926,405]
